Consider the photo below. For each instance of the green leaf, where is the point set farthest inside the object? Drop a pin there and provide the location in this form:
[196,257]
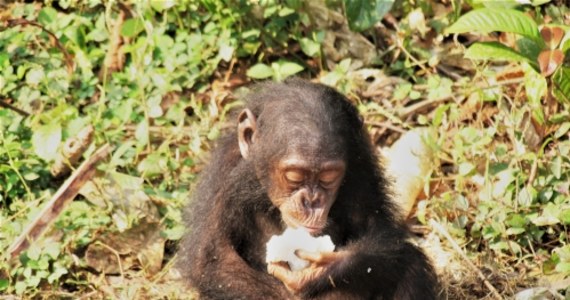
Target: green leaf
[141,133]
[35,76]
[561,82]
[31,176]
[226,52]
[563,267]
[46,140]
[526,196]
[47,16]
[260,71]
[528,48]
[4,283]
[565,216]
[565,45]
[310,47]
[494,51]
[34,252]
[516,221]
[515,231]
[536,87]
[465,168]
[56,274]
[495,4]
[4,61]
[154,164]
[556,167]
[161,5]
[52,249]
[132,27]
[284,69]
[20,287]
[174,233]
[562,130]
[363,14]
[486,20]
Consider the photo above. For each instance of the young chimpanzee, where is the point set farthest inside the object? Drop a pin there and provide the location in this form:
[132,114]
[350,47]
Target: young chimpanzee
[299,157]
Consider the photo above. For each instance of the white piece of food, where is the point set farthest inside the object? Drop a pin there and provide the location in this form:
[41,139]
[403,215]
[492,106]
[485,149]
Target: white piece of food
[282,247]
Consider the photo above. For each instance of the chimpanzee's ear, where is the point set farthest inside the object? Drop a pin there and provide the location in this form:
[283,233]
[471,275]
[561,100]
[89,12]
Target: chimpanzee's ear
[247,131]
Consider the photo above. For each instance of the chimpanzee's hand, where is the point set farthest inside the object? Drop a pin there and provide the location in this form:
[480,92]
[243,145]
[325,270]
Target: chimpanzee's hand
[319,265]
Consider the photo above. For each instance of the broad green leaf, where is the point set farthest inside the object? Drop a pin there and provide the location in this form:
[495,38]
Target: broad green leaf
[20,287]
[494,51]
[174,233]
[363,14]
[486,20]
[161,5]
[439,87]
[309,47]
[47,15]
[153,105]
[494,3]
[563,267]
[285,11]
[538,2]
[565,216]
[285,69]
[141,133]
[562,130]
[34,252]
[556,167]
[46,139]
[226,52]
[515,231]
[154,164]
[528,48]
[132,27]
[561,82]
[4,283]
[57,272]
[4,61]
[516,221]
[549,215]
[465,168]
[35,76]
[566,43]
[52,249]
[31,176]
[526,196]
[260,71]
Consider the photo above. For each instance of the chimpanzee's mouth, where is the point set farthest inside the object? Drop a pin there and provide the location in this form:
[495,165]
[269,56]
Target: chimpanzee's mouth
[313,230]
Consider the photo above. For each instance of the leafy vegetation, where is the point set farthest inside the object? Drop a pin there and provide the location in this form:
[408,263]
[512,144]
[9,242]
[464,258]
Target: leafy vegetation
[157,80]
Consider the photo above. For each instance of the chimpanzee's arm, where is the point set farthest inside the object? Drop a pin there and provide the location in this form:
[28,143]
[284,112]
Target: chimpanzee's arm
[220,273]
[392,268]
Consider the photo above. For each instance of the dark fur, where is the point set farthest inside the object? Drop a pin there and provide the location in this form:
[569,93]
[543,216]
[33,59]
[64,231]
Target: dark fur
[231,218]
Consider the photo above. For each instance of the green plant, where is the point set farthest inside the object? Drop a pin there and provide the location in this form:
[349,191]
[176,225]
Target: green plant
[541,52]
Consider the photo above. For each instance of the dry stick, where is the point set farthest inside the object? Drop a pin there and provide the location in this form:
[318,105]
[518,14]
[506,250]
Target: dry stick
[12,107]
[386,125]
[58,202]
[412,109]
[458,249]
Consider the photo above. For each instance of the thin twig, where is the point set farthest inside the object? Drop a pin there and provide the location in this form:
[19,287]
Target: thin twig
[459,251]
[409,110]
[117,255]
[533,172]
[69,62]
[12,107]
[385,125]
